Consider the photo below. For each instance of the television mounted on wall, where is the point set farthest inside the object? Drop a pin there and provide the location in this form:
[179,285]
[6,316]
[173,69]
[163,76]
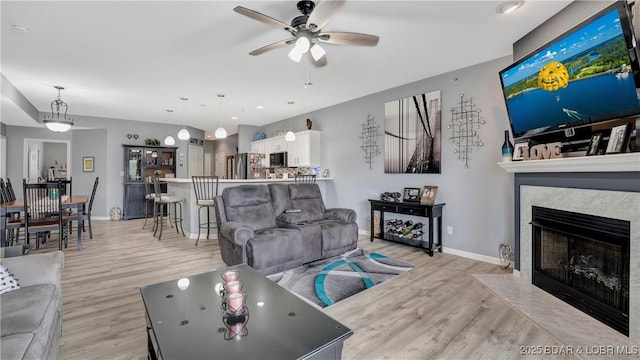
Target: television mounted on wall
[587,75]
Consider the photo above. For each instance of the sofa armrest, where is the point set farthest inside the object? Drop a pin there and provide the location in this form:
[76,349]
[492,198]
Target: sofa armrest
[37,269]
[238,232]
[347,215]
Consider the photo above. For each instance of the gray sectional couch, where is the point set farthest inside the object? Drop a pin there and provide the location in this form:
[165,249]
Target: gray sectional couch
[31,319]
[257,228]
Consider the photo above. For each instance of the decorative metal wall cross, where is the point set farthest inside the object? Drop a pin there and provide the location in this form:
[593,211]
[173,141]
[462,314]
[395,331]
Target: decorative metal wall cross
[370,134]
[465,120]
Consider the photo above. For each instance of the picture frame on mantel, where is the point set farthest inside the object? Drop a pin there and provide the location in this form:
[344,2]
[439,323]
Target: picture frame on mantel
[595,144]
[619,139]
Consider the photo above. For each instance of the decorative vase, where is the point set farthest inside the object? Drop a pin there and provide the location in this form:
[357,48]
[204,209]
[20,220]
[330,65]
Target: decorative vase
[507,147]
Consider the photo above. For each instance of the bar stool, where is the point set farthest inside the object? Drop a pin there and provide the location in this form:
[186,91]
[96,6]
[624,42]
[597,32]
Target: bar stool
[206,189]
[161,202]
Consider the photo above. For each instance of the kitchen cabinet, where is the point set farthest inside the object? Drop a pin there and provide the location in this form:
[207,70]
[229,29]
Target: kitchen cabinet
[276,144]
[305,150]
[140,164]
[259,146]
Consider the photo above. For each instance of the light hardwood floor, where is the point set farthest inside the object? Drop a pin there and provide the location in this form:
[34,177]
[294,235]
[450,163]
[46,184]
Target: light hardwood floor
[435,311]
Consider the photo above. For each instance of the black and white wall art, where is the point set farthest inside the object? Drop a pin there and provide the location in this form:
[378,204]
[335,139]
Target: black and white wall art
[412,134]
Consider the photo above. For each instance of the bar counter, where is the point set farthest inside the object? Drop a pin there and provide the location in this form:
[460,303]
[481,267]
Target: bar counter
[183,187]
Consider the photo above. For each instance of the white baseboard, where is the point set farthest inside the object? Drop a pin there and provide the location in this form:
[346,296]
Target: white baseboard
[466,254]
[470,255]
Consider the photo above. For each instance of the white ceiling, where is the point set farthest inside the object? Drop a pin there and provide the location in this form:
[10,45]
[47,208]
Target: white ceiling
[133,60]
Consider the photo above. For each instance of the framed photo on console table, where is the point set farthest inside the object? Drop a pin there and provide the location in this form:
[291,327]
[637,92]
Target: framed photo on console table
[428,196]
[619,139]
[411,195]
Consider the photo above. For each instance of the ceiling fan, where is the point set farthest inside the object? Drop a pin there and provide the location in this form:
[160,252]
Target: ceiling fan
[306,31]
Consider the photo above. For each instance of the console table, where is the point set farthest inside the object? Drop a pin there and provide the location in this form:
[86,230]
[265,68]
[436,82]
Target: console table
[428,211]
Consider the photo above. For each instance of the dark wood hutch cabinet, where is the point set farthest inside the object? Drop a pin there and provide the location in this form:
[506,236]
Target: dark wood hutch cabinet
[140,164]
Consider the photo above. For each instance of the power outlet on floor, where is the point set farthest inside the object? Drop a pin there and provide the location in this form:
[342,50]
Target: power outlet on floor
[450,230]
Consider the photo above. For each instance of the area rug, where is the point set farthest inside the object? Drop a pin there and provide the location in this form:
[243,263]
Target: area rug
[328,281]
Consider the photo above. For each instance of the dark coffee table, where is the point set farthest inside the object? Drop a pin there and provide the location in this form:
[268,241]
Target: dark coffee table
[189,324]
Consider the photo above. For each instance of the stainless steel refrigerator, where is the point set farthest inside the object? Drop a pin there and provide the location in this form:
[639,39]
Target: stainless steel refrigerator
[249,166]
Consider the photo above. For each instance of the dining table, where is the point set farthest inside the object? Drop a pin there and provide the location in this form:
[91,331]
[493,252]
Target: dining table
[78,202]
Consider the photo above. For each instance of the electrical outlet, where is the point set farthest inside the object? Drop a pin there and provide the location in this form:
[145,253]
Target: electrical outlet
[450,230]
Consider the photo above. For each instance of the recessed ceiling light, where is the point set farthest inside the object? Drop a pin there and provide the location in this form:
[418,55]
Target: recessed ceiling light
[208,136]
[234,118]
[509,6]
[21,28]
[259,107]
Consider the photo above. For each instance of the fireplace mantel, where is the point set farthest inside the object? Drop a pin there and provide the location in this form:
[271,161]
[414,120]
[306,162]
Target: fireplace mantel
[629,162]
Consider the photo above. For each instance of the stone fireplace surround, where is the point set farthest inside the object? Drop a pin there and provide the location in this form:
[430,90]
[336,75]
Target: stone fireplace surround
[606,186]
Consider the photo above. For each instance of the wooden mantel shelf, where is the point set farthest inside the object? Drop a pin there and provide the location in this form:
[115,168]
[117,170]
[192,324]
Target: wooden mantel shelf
[628,162]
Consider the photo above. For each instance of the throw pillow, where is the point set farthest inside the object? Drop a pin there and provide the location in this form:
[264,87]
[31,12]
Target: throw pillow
[7,281]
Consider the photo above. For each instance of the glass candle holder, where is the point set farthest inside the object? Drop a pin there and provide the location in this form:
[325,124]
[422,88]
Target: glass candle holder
[235,303]
[234,286]
[230,275]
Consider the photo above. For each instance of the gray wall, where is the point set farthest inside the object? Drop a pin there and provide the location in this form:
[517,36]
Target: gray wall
[54,153]
[479,199]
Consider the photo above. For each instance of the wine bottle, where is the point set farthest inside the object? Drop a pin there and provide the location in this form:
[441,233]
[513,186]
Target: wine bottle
[507,148]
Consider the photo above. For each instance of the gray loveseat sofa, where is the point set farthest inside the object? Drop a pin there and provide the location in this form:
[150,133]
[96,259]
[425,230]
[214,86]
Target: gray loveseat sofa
[32,315]
[257,228]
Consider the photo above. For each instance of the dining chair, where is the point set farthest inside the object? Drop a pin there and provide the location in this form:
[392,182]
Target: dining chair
[86,214]
[163,204]
[43,211]
[305,178]
[206,189]
[13,222]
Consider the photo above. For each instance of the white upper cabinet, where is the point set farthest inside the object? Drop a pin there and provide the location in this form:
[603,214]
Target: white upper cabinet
[305,150]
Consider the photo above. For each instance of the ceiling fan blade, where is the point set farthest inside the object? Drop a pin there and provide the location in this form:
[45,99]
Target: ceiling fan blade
[322,13]
[262,18]
[348,38]
[275,45]
[319,63]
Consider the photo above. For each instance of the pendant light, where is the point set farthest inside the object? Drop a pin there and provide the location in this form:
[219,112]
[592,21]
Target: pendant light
[220,133]
[56,121]
[169,140]
[290,136]
[183,134]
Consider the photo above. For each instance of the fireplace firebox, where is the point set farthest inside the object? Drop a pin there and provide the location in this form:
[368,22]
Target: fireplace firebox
[584,260]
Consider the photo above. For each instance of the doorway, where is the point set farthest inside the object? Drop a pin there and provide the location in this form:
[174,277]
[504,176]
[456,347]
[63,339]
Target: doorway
[41,155]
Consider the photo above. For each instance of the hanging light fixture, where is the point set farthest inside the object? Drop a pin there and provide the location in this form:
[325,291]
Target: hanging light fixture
[290,136]
[56,121]
[183,134]
[317,52]
[220,133]
[169,140]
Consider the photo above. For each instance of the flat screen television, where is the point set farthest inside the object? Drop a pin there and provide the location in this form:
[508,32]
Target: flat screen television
[588,74]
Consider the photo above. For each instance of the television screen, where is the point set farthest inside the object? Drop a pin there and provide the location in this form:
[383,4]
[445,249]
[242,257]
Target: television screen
[587,75]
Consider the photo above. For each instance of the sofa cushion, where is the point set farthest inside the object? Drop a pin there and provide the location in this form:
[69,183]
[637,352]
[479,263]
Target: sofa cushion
[275,246]
[338,237]
[24,310]
[15,346]
[280,198]
[308,199]
[7,281]
[251,205]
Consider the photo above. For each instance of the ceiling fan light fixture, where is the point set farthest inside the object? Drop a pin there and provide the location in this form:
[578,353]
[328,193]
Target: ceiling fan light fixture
[295,54]
[169,140]
[221,133]
[303,44]
[317,52]
[183,134]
